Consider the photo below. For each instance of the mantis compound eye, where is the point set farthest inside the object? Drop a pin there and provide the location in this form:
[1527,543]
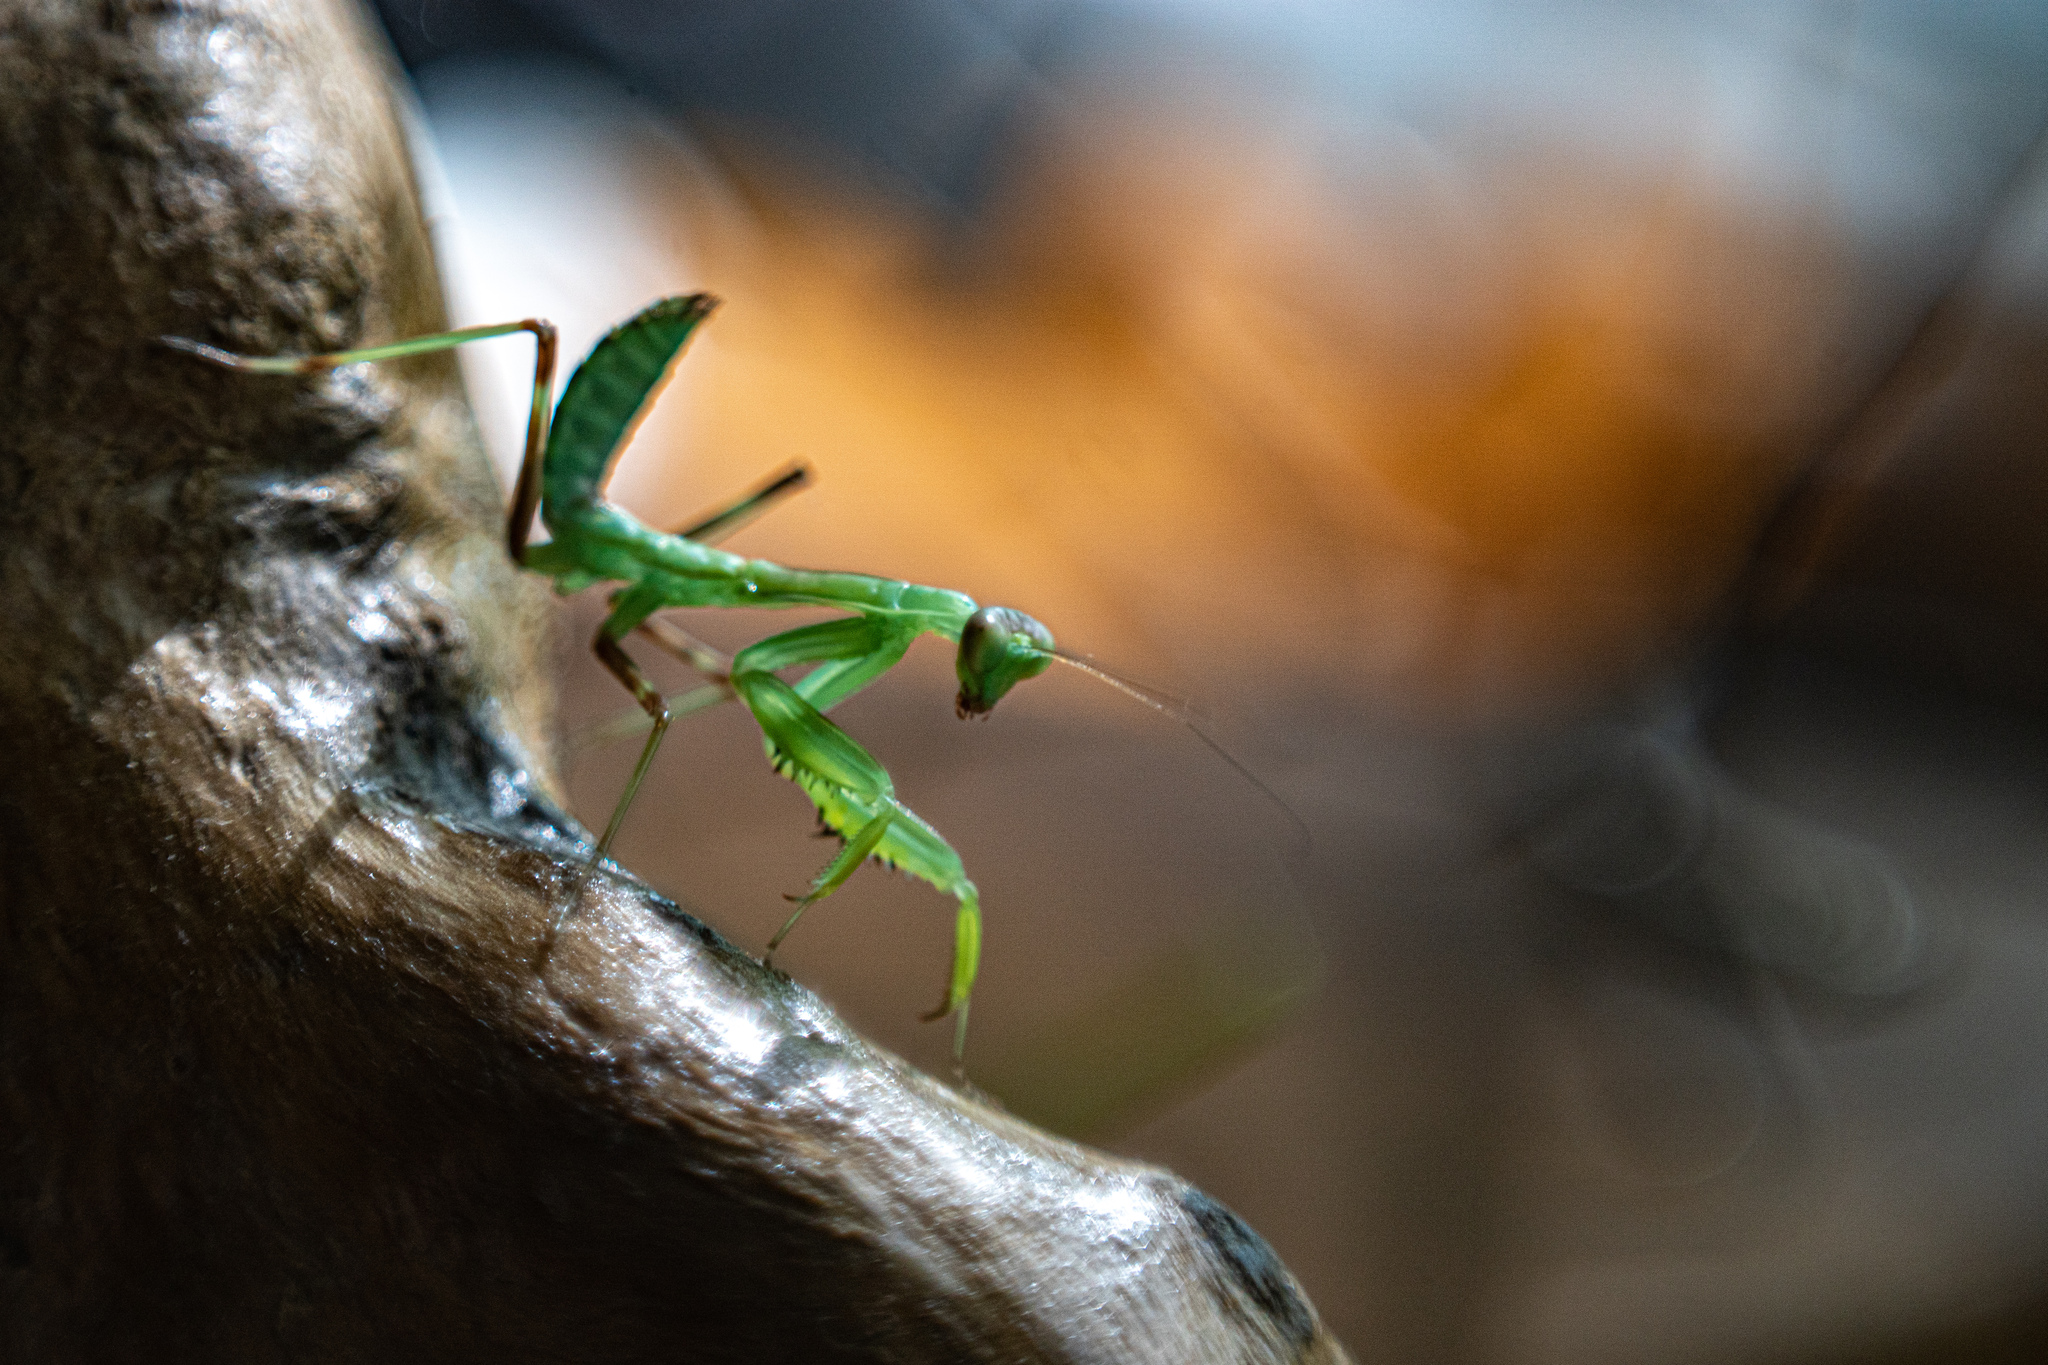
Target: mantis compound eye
[999,648]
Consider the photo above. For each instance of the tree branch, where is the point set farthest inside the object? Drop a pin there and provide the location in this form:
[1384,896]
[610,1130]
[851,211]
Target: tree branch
[285,1070]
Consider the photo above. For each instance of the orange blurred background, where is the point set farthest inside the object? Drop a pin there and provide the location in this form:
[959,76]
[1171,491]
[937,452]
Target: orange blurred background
[1585,376]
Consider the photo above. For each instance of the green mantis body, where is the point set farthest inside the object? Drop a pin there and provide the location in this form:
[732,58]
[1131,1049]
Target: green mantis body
[567,461]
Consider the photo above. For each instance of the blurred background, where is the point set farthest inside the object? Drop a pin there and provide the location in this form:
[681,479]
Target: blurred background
[1585,457]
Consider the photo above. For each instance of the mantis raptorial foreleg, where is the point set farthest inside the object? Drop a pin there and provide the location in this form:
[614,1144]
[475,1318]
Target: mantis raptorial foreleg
[833,875]
[853,792]
[849,653]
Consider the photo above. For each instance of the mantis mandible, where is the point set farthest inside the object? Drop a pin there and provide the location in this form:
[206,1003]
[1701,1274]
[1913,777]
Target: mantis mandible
[569,455]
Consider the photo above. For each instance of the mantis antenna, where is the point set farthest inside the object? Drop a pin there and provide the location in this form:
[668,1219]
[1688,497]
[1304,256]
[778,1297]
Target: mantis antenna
[1184,711]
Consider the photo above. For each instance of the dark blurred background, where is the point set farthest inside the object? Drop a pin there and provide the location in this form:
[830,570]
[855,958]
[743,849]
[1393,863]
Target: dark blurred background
[1586,457]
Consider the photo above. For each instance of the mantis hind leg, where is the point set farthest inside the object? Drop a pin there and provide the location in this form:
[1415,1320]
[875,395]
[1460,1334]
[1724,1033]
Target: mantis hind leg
[526,492]
[716,526]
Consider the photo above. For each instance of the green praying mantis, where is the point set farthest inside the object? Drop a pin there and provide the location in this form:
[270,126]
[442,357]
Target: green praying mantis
[569,456]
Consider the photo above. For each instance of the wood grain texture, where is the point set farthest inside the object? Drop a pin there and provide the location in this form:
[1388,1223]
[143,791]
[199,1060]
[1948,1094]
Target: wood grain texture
[285,1072]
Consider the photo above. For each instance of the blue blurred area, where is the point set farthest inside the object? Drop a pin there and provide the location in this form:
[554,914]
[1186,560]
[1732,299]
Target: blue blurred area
[919,95]
[930,97]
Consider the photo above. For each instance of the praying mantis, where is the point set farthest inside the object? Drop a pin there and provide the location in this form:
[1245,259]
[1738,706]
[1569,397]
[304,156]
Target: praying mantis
[568,457]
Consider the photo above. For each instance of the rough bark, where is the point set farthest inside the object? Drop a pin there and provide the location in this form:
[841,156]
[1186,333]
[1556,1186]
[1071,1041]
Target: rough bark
[285,1071]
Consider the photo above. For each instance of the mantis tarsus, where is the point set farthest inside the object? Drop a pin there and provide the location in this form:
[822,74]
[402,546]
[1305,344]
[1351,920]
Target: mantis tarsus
[563,473]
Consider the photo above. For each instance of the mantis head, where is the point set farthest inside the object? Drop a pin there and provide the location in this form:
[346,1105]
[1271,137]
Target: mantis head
[999,648]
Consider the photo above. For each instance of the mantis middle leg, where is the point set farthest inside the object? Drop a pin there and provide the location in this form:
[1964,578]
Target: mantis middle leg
[634,608]
[629,610]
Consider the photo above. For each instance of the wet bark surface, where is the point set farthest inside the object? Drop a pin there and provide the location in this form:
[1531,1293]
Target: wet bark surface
[289,1064]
